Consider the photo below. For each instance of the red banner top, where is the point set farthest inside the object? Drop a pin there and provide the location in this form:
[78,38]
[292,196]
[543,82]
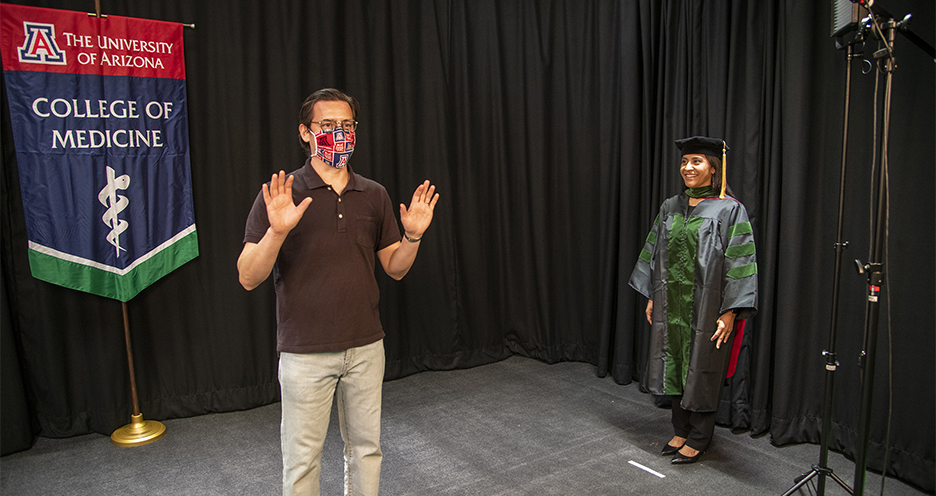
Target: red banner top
[50,40]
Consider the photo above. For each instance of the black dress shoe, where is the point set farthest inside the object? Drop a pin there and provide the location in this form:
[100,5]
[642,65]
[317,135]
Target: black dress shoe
[679,458]
[669,449]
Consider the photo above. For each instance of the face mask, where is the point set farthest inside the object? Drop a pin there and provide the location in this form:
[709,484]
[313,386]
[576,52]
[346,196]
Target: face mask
[334,147]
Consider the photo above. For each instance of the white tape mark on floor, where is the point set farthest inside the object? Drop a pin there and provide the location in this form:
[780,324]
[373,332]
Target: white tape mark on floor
[654,472]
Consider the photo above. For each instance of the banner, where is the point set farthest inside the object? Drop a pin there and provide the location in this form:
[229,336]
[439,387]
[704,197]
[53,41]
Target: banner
[100,126]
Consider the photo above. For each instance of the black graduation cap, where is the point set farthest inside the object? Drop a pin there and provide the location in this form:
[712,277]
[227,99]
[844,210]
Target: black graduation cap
[707,146]
[701,144]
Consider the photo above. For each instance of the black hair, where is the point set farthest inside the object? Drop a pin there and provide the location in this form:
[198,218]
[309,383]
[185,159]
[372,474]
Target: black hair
[323,95]
[715,162]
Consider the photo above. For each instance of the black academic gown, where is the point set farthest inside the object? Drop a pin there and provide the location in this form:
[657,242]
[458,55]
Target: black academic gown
[696,265]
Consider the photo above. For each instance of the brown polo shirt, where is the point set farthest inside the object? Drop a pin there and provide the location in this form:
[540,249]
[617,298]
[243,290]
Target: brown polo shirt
[326,291]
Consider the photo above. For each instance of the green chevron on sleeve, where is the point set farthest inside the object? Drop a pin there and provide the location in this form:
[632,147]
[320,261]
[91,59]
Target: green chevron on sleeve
[742,271]
[739,229]
[651,240]
[645,255]
[738,251]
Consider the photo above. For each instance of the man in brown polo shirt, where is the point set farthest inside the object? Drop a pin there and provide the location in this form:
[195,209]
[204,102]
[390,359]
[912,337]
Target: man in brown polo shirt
[317,230]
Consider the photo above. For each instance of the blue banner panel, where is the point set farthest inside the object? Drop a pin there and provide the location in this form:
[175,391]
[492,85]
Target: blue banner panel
[103,157]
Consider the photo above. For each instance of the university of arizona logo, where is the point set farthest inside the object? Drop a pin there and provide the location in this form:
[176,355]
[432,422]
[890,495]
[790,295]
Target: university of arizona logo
[115,204]
[40,46]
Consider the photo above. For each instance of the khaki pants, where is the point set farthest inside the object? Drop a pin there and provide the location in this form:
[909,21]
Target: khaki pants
[308,383]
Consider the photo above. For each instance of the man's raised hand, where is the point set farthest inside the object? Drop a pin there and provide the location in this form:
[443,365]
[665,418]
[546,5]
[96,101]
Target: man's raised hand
[418,216]
[281,211]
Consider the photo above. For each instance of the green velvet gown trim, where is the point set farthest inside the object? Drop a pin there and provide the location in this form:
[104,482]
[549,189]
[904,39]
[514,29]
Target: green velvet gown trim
[703,192]
[680,280]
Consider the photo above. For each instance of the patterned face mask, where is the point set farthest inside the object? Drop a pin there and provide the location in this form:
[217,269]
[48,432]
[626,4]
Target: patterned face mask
[334,147]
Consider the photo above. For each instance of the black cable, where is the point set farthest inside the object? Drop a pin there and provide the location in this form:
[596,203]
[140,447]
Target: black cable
[890,340]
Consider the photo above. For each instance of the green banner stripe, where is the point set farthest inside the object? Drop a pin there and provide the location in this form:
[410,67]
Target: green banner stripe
[656,221]
[743,271]
[108,268]
[105,283]
[739,229]
[740,250]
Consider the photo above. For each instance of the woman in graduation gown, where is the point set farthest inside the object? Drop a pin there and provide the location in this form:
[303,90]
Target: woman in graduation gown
[699,271]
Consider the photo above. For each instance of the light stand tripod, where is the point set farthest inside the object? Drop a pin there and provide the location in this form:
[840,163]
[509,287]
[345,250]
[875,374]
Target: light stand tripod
[874,269]
[831,363]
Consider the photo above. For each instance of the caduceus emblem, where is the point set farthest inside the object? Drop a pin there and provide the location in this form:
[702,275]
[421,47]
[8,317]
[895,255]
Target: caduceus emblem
[115,204]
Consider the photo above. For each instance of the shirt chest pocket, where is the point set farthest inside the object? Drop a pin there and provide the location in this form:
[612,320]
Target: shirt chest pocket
[366,231]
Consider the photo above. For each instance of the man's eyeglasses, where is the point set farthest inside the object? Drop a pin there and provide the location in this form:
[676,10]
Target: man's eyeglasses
[328,125]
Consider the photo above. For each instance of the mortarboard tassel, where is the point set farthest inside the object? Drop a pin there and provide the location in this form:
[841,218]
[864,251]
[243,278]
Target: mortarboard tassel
[724,177]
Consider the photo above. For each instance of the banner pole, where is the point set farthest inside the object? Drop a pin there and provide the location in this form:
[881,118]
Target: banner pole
[97,13]
[138,432]
[133,388]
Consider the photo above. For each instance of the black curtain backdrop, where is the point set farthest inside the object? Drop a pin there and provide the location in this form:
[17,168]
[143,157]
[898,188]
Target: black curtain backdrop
[548,127]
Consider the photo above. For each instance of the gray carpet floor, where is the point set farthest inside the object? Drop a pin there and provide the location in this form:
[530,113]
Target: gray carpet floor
[517,427]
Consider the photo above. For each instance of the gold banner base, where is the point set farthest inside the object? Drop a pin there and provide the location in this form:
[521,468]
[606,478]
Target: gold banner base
[138,432]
